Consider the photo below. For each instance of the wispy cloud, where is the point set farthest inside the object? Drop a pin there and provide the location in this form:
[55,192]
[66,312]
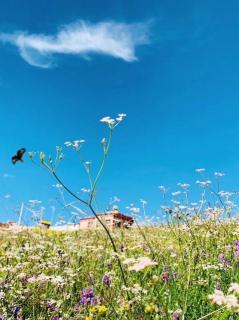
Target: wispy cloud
[118,40]
[8,175]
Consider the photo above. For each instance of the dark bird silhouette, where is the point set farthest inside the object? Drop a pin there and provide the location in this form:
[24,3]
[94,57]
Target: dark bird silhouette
[18,156]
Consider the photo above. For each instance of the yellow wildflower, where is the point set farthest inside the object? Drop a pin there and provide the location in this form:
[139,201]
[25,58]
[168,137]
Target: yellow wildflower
[149,308]
[154,279]
[93,310]
[102,310]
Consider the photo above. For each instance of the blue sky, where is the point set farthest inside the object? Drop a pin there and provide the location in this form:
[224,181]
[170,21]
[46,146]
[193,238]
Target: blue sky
[171,66]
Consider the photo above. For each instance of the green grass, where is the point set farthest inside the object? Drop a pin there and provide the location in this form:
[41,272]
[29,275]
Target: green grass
[41,267]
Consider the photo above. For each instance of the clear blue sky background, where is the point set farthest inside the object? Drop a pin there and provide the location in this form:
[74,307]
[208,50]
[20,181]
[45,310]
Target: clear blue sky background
[181,98]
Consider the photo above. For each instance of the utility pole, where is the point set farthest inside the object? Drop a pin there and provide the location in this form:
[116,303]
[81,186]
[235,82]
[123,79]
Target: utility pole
[20,213]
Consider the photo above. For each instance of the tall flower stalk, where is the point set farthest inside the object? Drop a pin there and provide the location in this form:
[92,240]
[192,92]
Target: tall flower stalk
[51,166]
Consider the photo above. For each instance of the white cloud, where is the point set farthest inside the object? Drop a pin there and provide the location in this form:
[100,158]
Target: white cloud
[118,40]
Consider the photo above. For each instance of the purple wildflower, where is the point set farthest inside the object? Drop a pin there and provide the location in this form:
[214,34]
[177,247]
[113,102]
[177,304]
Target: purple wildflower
[25,279]
[176,314]
[106,280]
[236,243]
[165,276]
[218,286]
[223,260]
[121,248]
[87,296]
[236,248]
[16,311]
[51,306]
[101,300]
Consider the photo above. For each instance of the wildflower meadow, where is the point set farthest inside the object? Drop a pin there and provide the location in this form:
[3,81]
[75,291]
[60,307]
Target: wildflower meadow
[119,160]
[184,268]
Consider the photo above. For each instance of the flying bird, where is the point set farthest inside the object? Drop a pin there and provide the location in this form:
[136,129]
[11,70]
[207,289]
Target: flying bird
[18,156]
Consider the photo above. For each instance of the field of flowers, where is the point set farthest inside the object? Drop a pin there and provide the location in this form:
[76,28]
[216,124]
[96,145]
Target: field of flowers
[184,271]
[186,268]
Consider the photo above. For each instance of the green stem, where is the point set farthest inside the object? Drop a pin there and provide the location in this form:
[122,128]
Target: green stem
[100,221]
[68,190]
[106,151]
[112,243]
[211,313]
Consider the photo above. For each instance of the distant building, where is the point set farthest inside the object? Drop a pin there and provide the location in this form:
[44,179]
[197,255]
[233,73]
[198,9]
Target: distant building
[10,226]
[7,225]
[113,219]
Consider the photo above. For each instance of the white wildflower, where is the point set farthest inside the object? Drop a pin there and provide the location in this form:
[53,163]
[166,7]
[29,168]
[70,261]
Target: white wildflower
[134,209]
[234,287]
[129,261]
[231,301]
[177,203]
[163,189]
[122,115]
[2,295]
[68,144]
[184,185]
[144,202]
[104,141]
[141,264]
[204,183]
[219,174]
[217,297]
[176,193]
[57,185]
[108,120]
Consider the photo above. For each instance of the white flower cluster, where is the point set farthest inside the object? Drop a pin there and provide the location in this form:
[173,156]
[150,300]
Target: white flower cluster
[176,193]
[163,189]
[139,263]
[43,278]
[204,183]
[184,185]
[230,301]
[225,194]
[213,213]
[219,174]
[113,122]
[2,295]
[136,288]
[200,170]
[136,293]
[74,144]
[133,210]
